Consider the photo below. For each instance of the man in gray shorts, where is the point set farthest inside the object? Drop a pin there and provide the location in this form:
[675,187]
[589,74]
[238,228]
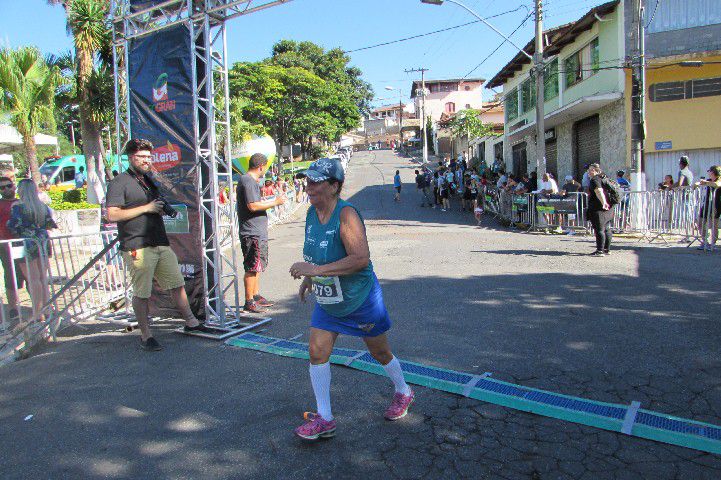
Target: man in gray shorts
[253,222]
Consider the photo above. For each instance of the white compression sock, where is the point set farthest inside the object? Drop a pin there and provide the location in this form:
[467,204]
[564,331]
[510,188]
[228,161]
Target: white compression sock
[393,369]
[320,379]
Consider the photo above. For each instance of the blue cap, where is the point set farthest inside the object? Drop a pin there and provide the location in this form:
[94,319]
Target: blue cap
[325,169]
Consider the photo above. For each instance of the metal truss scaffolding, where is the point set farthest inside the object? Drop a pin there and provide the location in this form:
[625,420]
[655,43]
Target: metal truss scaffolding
[206,20]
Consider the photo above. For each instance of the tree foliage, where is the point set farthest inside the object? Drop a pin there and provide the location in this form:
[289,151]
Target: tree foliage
[27,91]
[469,122]
[300,93]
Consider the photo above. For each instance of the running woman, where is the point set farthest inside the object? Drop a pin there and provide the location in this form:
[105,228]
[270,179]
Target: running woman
[338,271]
[397,185]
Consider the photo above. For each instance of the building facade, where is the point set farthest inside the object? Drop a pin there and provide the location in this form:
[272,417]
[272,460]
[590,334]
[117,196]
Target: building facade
[683,103]
[585,110]
[448,96]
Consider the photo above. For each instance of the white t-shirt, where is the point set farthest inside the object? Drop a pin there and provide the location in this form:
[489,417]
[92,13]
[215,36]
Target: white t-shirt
[501,181]
[549,185]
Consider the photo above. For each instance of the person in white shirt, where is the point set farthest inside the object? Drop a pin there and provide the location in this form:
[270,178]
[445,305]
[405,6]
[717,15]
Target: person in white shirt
[501,181]
[548,185]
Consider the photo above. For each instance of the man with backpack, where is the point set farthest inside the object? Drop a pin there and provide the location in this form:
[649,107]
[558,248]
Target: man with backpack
[604,194]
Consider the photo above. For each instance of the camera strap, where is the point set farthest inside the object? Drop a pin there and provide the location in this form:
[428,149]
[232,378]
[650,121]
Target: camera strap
[145,183]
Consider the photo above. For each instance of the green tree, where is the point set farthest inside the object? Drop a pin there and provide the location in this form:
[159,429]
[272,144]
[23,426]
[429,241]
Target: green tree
[287,102]
[89,24]
[27,90]
[468,122]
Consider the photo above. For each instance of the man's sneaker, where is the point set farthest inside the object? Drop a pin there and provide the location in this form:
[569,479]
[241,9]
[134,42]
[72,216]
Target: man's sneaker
[399,406]
[316,427]
[262,301]
[198,328]
[151,345]
[597,253]
[606,252]
[251,306]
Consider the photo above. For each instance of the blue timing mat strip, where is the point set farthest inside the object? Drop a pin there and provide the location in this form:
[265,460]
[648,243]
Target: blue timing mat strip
[626,419]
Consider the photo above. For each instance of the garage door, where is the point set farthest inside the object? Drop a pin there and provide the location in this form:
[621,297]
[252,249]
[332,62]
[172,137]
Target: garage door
[659,164]
[520,160]
[586,145]
[552,158]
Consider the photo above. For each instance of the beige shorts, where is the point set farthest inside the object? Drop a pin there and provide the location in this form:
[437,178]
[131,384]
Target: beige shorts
[147,263]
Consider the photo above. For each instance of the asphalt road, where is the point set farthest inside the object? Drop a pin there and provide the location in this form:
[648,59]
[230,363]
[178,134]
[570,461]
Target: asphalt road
[642,324]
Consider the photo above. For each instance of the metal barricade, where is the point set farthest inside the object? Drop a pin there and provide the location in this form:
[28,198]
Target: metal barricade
[708,217]
[561,212]
[522,207]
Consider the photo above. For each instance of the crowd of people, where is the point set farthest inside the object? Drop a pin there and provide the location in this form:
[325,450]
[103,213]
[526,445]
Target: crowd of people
[453,181]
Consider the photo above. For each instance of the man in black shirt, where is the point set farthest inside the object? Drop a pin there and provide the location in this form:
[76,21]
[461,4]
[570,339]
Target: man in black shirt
[253,222]
[133,203]
[600,211]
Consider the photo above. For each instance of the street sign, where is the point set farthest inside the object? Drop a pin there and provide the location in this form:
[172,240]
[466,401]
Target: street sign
[665,145]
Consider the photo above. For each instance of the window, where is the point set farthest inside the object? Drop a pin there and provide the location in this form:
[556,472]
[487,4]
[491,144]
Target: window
[698,88]
[572,69]
[512,104]
[450,107]
[550,80]
[448,87]
[680,14]
[468,105]
[595,56]
[528,95]
[68,174]
[467,88]
[582,64]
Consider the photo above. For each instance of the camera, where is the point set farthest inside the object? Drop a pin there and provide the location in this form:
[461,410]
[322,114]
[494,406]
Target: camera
[168,209]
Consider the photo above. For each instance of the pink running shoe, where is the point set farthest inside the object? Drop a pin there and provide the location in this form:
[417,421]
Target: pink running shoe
[316,427]
[399,406]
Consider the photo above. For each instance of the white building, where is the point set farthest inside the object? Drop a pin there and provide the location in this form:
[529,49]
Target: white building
[448,96]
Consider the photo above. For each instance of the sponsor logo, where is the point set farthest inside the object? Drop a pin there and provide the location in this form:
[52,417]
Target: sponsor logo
[324,244]
[165,157]
[160,94]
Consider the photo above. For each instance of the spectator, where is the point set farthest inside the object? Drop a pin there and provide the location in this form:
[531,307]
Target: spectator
[600,213]
[31,219]
[422,189]
[571,186]
[468,195]
[585,180]
[80,178]
[685,176]
[548,185]
[710,209]
[464,161]
[268,189]
[502,181]
[43,193]
[667,183]
[13,275]
[622,182]
[437,180]
[444,187]
[397,185]
[534,181]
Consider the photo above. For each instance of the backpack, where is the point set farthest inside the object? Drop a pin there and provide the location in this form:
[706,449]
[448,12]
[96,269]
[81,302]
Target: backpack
[613,191]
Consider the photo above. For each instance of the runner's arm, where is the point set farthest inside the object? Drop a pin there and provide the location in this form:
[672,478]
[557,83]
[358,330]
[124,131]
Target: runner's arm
[353,236]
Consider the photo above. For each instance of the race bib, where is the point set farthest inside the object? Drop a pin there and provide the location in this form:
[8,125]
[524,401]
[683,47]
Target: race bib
[327,290]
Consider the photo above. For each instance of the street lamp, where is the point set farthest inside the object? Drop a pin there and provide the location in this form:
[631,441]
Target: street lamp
[400,116]
[537,60]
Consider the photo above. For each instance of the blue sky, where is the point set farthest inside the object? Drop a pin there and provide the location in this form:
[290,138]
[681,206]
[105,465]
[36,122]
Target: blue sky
[348,24]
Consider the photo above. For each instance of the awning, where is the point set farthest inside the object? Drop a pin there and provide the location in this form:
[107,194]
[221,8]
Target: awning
[11,141]
[575,110]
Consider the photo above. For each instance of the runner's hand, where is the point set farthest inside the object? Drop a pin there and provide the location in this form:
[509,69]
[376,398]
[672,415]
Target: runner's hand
[302,269]
[305,288]
[156,206]
[280,199]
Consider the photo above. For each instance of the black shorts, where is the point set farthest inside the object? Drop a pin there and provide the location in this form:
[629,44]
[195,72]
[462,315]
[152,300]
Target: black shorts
[255,254]
[445,193]
[7,268]
[398,189]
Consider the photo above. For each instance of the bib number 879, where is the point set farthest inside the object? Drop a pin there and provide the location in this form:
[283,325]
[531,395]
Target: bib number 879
[322,290]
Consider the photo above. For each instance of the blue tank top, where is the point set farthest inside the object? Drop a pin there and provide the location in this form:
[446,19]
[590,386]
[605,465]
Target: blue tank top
[342,295]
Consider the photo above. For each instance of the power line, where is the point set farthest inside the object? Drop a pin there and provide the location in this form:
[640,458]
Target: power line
[654,13]
[433,32]
[499,46]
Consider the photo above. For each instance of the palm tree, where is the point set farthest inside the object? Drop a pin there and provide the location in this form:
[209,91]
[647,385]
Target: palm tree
[27,91]
[89,25]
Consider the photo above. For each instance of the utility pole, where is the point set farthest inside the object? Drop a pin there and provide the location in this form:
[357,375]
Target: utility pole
[540,97]
[638,100]
[423,110]
[400,120]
